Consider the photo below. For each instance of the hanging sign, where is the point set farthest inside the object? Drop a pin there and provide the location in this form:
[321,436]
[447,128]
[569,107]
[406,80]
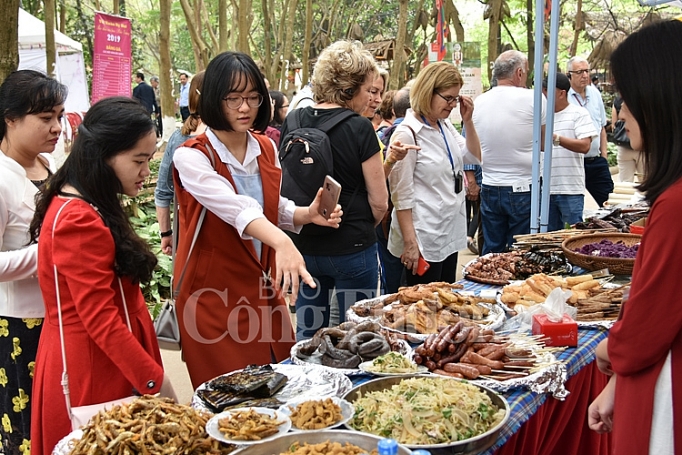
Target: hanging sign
[111,68]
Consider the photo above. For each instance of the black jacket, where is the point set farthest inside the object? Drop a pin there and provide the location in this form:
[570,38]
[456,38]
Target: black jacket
[145,94]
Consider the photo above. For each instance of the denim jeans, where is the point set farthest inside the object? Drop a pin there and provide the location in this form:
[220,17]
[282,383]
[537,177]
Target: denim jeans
[505,214]
[391,267]
[352,277]
[565,208]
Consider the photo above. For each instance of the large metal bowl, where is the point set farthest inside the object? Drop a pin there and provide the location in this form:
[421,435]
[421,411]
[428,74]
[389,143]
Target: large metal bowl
[469,446]
[281,445]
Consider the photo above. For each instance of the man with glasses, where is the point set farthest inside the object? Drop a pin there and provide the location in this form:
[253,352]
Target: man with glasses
[503,117]
[573,133]
[582,93]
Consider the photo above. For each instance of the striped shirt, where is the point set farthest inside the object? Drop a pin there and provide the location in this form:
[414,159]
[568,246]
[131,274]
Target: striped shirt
[568,173]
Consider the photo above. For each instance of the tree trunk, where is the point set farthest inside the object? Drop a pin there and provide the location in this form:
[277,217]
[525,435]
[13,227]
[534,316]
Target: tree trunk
[530,35]
[117,7]
[198,44]
[577,29]
[307,41]
[494,33]
[452,16]
[50,45]
[243,24]
[267,35]
[165,78]
[398,51]
[288,42]
[9,37]
[62,16]
[223,29]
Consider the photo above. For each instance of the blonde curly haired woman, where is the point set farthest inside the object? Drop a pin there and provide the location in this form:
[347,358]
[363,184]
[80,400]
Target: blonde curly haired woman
[343,260]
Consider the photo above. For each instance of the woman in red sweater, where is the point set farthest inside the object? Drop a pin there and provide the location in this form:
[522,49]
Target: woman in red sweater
[642,403]
[109,340]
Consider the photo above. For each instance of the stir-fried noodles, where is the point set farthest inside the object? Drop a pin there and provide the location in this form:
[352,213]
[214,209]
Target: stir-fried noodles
[420,411]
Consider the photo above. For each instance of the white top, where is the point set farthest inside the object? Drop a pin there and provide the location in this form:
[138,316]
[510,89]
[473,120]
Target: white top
[504,122]
[662,438]
[218,195]
[595,106]
[423,181]
[20,295]
[568,171]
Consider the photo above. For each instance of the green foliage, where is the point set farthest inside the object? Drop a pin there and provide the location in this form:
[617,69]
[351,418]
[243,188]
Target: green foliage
[142,214]
[612,154]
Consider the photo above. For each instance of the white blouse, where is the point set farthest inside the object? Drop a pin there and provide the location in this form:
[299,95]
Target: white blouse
[218,195]
[423,181]
[20,295]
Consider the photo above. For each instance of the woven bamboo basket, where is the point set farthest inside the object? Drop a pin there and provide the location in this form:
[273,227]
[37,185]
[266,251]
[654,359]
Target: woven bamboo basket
[616,266]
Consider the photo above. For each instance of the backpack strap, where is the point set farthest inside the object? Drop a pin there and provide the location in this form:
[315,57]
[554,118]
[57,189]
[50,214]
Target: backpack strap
[334,120]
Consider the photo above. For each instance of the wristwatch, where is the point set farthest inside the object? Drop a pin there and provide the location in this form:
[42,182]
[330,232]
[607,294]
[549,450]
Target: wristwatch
[167,233]
[556,140]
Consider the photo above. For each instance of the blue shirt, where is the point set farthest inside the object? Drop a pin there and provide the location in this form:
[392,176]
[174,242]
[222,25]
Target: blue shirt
[184,95]
[595,106]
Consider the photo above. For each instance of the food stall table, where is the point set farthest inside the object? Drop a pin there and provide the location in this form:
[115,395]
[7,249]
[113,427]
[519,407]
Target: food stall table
[542,425]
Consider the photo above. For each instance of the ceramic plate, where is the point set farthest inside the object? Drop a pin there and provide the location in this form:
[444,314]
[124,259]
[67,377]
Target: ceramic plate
[365,367]
[212,427]
[347,412]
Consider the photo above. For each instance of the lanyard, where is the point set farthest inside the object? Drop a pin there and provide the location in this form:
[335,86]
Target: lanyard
[452,163]
[579,99]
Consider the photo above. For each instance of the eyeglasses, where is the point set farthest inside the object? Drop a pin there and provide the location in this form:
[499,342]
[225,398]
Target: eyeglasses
[579,72]
[235,102]
[450,99]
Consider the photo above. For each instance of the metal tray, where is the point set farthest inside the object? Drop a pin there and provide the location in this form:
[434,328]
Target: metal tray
[469,446]
[282,443]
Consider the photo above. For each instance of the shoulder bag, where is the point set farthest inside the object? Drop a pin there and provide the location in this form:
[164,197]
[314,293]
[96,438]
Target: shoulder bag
[81,415]
[619,135]
[166,324]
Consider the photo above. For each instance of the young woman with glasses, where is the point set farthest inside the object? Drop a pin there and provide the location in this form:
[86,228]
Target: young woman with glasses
[230,310]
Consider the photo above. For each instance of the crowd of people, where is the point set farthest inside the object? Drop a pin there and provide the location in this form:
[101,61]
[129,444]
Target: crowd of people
[71,264]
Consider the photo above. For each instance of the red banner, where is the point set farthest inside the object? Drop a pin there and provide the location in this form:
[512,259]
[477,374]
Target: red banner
[111,62]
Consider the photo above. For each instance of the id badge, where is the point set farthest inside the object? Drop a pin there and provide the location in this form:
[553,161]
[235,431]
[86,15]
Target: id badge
[521,187]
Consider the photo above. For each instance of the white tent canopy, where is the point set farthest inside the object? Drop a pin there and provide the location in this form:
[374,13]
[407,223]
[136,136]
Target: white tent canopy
[70,67]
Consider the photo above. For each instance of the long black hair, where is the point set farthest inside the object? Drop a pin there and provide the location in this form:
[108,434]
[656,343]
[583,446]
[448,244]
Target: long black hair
[27,92]
[646,67]
[110,127]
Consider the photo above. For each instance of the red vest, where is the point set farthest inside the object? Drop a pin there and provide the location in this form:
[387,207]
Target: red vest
[229,314]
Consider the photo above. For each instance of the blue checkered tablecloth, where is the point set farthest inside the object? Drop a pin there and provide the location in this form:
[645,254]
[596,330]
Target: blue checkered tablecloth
[524,403]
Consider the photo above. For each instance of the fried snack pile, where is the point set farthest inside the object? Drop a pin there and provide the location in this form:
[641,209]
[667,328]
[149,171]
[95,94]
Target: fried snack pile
[315,414]
[592,301]
[326,448]
[425,307]
[149,425]
[248,426]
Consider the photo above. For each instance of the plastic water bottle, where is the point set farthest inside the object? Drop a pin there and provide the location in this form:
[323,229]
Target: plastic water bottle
[387,447]
[421,452]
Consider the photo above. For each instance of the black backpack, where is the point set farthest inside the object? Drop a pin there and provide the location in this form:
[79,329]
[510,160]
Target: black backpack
[305,155]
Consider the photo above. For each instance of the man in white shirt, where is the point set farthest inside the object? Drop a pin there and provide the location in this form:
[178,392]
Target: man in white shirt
[582,93]
[573,134]
[503,117]
[183,101]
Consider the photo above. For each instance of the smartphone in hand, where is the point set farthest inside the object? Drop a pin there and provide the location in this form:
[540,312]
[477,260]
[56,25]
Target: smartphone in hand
[331,191]
[422,266]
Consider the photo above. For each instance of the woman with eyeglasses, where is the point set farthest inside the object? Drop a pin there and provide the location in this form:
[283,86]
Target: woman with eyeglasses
[427,187]
[234,263]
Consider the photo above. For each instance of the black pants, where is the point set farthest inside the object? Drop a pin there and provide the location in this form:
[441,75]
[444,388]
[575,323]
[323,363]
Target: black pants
[439,271]
[159,124]
[184,112]
[598,179]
